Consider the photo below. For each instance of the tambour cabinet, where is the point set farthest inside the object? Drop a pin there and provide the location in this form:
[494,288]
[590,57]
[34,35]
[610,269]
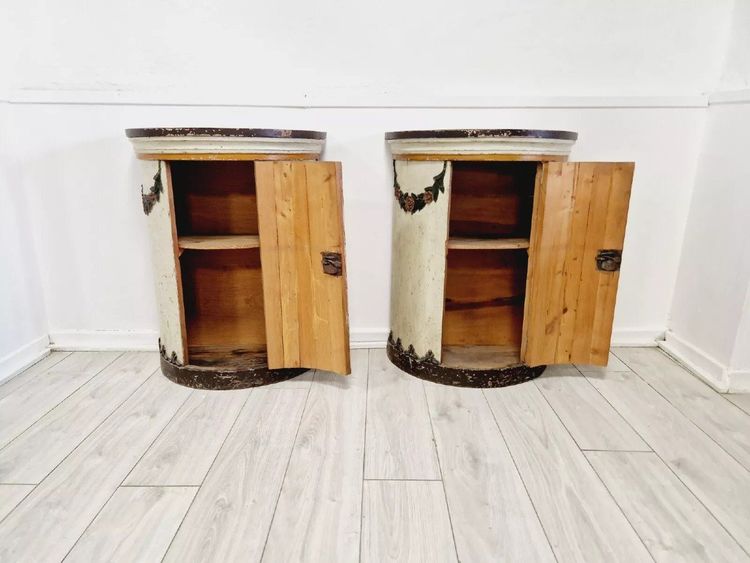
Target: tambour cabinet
[506,257]
[247,239]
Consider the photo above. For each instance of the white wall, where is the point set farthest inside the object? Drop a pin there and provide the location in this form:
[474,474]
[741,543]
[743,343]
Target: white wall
[23,327]
[709,325]
[336,51]
[629,77]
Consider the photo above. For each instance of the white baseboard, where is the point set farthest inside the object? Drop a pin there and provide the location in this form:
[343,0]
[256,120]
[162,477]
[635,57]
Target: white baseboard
[22,358]
[79,340]
[368,337]
[698,362]
[630,337]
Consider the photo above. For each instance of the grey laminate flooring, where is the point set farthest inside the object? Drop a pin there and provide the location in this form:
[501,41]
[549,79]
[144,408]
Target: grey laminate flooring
[103,459]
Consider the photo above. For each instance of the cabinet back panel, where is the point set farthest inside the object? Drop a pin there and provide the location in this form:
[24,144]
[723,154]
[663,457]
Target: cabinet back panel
[215,198]
[223,295]
[491,199]
[484,296]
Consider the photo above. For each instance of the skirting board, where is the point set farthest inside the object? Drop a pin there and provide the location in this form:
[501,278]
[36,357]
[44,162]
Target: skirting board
[92,340]
[705,367]
[78,340]
[25,356]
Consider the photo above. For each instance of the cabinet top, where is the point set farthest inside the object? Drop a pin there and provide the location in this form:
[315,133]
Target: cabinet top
[481,144]
[224,142]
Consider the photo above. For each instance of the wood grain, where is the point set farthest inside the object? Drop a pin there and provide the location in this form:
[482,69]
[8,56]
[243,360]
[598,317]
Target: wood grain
[727,425]
[185,450]
[491,199]
[491,513]
[711,474]
[319,510]
[457,243]
[399,441]
[579,209]
[564,488]
[406,522]
[589,418]
[223,292]
[232,512]
[480,357]
[136,524]
[484,296]
[27,404]
[672,523]
[36,452]
[229,242]
[300,217]
[214,198]
[50,520]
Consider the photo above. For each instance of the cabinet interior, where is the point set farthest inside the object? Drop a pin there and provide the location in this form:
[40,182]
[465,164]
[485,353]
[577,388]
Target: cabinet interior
[487,258]
[216,218]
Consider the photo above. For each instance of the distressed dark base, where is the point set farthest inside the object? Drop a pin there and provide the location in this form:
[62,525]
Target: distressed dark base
[201,377]
[429,370]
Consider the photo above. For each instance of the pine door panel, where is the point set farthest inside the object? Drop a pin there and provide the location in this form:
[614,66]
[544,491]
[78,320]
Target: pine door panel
[300,217]
[580,208]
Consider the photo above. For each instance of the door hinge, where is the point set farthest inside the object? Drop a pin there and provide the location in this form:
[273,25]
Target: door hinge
[608,260]
[331,263]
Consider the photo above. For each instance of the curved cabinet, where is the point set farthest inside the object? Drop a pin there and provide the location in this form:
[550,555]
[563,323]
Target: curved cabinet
[505,256]
[247,241]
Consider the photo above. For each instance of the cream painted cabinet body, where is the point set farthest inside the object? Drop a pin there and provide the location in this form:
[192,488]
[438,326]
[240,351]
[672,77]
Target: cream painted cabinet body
[248,250]
[505,256]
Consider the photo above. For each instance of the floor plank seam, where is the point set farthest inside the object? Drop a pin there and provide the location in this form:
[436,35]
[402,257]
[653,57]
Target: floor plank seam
[157,373]
[417,480]
[364,461]
[288,462]
[72,392]
[656,453]
[18,504]
[686,417]
[22,372]
[625,516]
[77,445]
[520,476]
[218,453]
[617,504]
[440,468]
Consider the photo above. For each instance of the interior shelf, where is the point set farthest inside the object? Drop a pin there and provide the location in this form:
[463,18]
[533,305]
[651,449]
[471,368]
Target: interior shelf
[466,243]
[219,242]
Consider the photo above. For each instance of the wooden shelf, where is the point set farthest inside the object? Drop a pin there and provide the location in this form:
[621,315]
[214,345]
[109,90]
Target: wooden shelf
[480,357]
[229,242]
[459,243]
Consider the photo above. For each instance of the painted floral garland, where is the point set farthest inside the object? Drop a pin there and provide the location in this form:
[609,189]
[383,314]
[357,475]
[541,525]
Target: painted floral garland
[411,203]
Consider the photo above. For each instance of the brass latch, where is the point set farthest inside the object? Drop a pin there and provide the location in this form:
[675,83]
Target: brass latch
[608,260]
[331,263]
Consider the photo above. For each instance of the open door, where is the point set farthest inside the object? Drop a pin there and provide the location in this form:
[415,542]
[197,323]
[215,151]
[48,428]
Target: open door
[578,227]
[300,223]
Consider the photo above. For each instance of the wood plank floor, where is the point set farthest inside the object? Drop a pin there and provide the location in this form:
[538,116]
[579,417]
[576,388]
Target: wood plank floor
[103,459]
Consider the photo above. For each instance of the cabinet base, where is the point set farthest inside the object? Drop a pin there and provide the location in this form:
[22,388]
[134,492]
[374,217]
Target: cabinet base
[219,379]
[429,369]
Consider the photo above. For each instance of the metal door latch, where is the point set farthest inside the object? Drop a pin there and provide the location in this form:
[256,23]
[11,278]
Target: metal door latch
[608,260]
[331,263]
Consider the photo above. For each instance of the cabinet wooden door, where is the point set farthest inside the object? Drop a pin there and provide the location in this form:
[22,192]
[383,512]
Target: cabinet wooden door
[578,227]
[300,223]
